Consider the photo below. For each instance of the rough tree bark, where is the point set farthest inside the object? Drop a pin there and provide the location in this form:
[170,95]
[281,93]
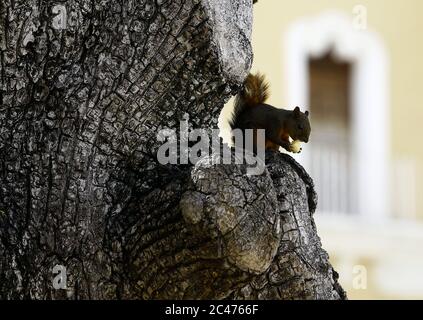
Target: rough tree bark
[85,87]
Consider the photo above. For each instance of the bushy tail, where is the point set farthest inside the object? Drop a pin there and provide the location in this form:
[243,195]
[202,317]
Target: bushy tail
[254,93]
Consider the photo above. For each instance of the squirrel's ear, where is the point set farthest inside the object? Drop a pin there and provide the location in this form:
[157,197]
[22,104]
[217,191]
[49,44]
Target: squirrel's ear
[297,111]
[307,113]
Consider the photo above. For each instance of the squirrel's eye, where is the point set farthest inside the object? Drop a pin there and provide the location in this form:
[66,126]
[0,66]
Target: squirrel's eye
[300,126]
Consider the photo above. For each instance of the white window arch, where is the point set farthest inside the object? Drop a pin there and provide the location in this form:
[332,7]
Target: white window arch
[333,30]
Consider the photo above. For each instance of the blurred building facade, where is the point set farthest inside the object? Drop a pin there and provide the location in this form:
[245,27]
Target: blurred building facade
[358,68]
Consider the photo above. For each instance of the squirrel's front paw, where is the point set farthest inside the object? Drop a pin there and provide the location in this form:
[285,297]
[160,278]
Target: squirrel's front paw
[296,146]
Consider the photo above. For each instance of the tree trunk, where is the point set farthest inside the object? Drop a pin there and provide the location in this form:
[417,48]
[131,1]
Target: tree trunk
[85,88]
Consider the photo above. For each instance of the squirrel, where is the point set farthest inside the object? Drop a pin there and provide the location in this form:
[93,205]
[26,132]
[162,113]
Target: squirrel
[280,125]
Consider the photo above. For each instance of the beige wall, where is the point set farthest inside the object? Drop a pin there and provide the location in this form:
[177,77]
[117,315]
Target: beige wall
[399,24]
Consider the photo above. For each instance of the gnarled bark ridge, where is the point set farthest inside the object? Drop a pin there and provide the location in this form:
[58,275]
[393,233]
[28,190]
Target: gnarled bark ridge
[85,88]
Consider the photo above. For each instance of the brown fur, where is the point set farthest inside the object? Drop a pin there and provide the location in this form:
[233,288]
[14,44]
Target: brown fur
[256,90]
[251,112]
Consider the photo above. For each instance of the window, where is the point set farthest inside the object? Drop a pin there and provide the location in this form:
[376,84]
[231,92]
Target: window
[360,121]
[330,104]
